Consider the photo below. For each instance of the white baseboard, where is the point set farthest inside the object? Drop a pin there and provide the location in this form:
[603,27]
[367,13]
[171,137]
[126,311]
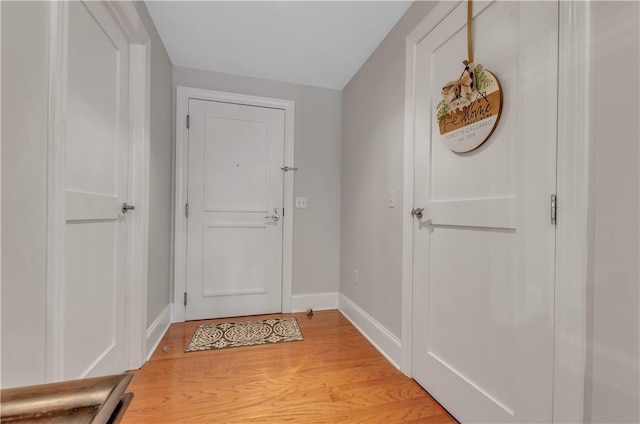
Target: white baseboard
[156,330]
[315,301]
[381,338]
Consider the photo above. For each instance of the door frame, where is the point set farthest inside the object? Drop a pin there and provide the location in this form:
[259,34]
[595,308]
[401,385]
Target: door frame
[135,338]
[183,94]
[574,147]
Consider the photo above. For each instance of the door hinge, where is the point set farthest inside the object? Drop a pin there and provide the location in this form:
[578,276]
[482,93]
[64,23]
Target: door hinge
[186,210]
[188,122]
[185,298]
[554,209]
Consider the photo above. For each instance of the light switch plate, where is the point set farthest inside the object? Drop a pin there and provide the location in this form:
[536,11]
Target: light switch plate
[392,199]
[301,202]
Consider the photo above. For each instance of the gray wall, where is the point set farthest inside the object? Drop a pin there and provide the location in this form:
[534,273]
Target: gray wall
[25,77]
[25,55]
[316,230]
[613,356]
[372,153]
[160,177]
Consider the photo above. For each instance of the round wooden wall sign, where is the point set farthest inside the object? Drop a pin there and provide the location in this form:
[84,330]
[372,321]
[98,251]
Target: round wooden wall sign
[470,110]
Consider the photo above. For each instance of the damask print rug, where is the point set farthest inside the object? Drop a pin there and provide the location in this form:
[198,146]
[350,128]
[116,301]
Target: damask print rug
[248,333]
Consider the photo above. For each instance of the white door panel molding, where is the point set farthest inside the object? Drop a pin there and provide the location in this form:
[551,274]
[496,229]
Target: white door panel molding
[235,198]
[230,199]
[480,263]
[98,144]
[572,189]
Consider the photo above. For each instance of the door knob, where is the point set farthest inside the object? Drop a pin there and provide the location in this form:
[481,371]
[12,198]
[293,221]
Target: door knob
[126,208]
[417,212]
[275,216]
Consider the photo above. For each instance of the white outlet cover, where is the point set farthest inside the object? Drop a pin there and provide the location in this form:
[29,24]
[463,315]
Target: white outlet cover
[301,202]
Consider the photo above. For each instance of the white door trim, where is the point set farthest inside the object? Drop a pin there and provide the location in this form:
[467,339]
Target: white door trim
[437,15]
[137,234]
[56,166]
[572,190]
[574,147]
[139,164]
[183,95]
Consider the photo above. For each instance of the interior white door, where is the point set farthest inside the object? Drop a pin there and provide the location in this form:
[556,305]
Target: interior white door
[97,144]
[235,198]
[483,288]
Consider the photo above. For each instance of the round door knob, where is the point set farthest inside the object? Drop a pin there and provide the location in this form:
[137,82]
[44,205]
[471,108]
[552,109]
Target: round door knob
[276,216]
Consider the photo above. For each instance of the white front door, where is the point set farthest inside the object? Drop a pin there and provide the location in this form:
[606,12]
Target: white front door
[95,237]
[483,288]
[235,198]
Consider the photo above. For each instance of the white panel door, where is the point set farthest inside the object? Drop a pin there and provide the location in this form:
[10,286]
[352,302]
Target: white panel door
[483,287]
[235,197]
[97,144]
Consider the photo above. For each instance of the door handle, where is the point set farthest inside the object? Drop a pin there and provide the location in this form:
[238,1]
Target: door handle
[275,217]
[126,208]
[417,212]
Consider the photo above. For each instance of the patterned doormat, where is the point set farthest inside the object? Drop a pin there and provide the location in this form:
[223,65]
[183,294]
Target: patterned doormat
[248,333]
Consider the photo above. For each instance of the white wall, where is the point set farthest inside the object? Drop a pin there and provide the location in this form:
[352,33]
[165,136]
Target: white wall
[25,63]
[316,230]
[613,322]
[372,153]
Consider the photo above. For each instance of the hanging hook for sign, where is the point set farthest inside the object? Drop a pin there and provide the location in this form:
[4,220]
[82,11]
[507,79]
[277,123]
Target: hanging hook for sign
[288,168]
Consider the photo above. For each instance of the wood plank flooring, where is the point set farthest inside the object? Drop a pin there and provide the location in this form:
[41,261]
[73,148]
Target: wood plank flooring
[334,376]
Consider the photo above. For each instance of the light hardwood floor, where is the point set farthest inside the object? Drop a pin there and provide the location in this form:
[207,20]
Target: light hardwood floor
[334,376]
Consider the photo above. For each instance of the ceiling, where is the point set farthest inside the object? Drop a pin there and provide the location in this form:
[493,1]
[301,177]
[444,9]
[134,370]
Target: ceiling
[317,43]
